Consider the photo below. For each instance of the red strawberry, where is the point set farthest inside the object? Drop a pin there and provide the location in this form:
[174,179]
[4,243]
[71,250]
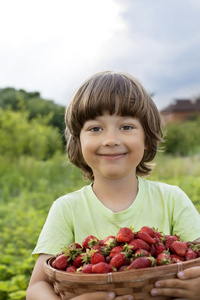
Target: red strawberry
[110,241]
[97,248]
[153,250]
[118,260]
[71,269]
[138,244]
[190,254]
[169,239]
[175,258]
[195,248]
[160,247]
[74,246]
[82,259]
[141,262]
[101,267]
[53,264]
[178,248]
[97,258]
[90,241]
[87,268]
[73,250]
[141,252]
[116,250]
[125,235]
[147,230]
[61,262]
[163,259]
[145,237]
[123,268]
[158,235]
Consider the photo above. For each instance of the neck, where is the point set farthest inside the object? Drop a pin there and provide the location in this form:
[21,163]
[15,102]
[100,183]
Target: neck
[116,194]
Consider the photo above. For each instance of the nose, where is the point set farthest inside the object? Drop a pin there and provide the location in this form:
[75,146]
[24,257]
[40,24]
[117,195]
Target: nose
[111,139]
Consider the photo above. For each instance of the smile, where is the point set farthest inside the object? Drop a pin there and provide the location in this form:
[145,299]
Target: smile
[113,156]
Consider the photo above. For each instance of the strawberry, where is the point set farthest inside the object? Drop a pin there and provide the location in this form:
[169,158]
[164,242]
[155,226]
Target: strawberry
[141,262]
[74,246]
[118,260]
[90,241]
[158,235]
[148,230]
[125,235]
[178,248]
[190,254]
[175,258]
[101,267]
[97,258]
[195,248]
[108,259]
[169,239]
[61,262]
[141,252]
[87,268]
[110,241]
[145,237]
[97,248]
[160,247]
[163,259]
[82,259]
[73,250]
[138,244]
[116,250]
[153,250]
[123,268]
[71,269]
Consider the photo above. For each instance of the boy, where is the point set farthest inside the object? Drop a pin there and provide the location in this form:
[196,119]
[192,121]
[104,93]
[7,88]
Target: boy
[113,132]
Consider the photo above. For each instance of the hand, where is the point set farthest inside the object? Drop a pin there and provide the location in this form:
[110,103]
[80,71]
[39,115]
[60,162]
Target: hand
[103,296]
[186,286]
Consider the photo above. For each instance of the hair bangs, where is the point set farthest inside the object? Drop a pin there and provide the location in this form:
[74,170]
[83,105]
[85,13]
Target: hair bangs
[112,93]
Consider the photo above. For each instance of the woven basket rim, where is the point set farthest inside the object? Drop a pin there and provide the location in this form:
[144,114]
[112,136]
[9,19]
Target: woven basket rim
[124,276]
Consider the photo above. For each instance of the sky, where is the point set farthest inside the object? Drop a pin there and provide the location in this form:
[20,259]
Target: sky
[52,46]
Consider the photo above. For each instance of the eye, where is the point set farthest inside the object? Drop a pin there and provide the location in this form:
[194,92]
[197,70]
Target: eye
[95,129]
[126,127]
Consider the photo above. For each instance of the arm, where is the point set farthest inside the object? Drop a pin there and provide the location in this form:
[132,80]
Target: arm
[40,288]
[186,286]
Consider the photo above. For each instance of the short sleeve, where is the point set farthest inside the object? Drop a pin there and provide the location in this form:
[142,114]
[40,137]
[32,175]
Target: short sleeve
[57,231]
[186,219]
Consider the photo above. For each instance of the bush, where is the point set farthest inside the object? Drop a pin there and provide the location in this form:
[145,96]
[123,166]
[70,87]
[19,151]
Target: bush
[20,136]
[183,138]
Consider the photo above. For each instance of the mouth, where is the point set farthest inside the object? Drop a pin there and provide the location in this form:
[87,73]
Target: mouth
[113,155]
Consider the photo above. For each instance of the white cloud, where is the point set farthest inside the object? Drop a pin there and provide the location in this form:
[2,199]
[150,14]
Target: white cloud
[52,46]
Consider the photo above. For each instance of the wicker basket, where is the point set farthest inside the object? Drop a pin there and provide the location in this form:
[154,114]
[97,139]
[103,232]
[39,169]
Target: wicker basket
[133,282]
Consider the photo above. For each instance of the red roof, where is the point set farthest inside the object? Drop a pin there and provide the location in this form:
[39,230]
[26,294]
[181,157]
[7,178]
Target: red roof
[183,105]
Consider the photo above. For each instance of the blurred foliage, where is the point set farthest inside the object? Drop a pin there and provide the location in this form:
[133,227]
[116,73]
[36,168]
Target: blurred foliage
[182,138]
[19,135]
[20,100]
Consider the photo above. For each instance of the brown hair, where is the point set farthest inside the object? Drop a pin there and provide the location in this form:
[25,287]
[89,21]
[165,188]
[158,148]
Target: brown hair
[97,95]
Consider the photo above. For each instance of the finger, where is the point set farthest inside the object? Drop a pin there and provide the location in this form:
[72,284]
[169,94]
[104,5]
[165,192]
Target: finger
[125,297]
[172,283]
[189,273]
[171,292]
[103,296]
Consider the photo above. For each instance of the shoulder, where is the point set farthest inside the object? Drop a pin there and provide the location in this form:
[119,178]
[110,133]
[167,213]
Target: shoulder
[73,197]
[157,184]
[161,188]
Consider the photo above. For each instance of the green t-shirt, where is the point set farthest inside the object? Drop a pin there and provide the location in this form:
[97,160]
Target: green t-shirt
[76,215]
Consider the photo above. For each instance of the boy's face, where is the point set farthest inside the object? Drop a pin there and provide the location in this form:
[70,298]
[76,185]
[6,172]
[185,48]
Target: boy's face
[112,145]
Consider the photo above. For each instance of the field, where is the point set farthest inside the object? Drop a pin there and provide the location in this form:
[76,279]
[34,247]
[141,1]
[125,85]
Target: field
[27,189]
